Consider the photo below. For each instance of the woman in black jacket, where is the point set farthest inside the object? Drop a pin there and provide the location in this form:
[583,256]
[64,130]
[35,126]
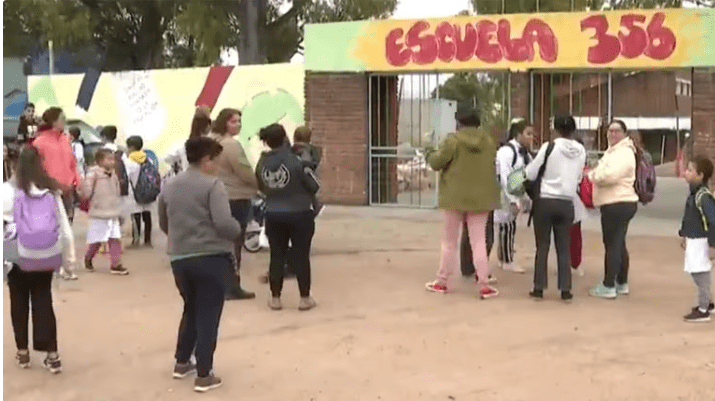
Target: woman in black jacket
[289,188]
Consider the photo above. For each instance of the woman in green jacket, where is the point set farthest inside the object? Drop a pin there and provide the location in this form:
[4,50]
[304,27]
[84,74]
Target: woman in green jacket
[468,191]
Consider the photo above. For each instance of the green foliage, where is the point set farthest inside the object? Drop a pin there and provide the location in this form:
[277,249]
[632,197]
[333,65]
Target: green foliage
[486,91]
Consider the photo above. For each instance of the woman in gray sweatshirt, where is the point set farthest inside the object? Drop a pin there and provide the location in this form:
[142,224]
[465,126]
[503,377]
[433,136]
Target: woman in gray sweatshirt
[194,213]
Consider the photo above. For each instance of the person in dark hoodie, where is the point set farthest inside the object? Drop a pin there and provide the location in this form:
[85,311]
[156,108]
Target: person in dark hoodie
[468,191]
[289,188]
[557,170]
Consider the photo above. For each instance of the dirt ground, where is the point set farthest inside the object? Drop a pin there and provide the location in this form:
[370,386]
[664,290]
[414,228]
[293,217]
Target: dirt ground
[377,335]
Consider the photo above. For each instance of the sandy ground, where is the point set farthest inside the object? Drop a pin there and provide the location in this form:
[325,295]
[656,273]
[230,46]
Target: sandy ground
[377,335]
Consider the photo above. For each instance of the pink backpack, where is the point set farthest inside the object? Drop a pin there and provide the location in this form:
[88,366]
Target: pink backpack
[38,232]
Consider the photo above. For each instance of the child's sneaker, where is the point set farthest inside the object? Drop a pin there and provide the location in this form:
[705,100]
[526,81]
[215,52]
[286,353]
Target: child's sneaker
[623,289]
[510,267]
[436,286]
[306,303]
[23,359]
[601,291]
[67,275]
[119,270]
[181,370]
[697,316]
[537,294]
[275,303]
[488,292]
[566,296]
[204,384]
[88,265]
[54,364]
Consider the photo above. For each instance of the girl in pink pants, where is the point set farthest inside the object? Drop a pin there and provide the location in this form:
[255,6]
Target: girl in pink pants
[468,191]
[449,258]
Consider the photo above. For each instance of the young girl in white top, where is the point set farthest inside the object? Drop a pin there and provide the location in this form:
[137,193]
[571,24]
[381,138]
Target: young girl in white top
[513,155]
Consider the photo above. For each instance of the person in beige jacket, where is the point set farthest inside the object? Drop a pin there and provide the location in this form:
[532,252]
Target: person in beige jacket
[101,188]
[614,194]
[237,175]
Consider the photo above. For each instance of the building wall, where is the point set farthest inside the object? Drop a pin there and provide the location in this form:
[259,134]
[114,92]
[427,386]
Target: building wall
[336,109]
[704,112]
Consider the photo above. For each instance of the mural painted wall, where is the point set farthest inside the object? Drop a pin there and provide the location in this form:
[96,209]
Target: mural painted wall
[158,105]
[633,39]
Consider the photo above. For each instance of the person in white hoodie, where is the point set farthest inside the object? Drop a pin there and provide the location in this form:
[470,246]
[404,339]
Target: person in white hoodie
[200,126]
[614,194]
[34,287]
[513,155]
[556,170]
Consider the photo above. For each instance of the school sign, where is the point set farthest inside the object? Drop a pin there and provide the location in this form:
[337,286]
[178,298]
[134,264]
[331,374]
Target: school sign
[632,39]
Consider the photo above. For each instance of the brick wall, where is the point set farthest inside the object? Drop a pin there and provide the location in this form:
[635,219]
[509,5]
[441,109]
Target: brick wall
[336,109]
[703,120]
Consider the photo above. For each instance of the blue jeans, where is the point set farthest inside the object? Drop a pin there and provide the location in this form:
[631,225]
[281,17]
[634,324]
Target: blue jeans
[201,283]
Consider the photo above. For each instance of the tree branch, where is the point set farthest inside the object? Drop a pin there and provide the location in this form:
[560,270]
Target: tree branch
[290,14]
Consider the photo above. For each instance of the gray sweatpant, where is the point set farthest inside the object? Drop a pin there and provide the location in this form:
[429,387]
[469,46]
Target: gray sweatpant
[705,297]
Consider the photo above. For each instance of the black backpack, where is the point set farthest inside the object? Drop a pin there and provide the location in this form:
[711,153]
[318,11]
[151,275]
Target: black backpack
[121,171]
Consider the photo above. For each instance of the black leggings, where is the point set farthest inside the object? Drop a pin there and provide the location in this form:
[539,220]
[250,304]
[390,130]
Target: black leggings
[553,215]
[615,219]
[137,224]
[32,288]
[465,252]
[297,228]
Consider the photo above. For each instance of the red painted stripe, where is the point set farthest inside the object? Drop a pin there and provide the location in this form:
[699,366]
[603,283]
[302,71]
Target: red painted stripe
[214,84]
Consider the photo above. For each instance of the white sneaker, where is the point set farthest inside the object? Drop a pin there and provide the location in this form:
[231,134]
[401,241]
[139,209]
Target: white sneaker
[510,267]
[579,271]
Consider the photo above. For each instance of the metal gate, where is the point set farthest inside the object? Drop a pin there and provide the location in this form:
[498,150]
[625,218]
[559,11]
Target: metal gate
[403,110]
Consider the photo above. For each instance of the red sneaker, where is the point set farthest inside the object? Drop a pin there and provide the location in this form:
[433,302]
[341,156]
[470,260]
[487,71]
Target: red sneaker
[488,292]
[436,286]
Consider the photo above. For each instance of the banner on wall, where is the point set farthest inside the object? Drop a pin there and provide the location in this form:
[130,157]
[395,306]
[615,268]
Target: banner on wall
[633,39]
[158,105]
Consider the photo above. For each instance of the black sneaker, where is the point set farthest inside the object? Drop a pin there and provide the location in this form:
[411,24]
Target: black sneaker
[204,384]
[119,270]
[240,295]
[697,316]
[88,265]
[54,365]
[566,296]
[181,370]
[23,360]
[711,307]
[537,294]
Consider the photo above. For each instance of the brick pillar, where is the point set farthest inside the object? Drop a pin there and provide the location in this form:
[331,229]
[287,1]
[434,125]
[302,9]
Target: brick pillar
[520,95]
[336,109]
[703,119]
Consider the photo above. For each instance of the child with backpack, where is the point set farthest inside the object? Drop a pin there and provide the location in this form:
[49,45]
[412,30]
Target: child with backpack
[310,157]
[101,188]
[698,235]
[36,223]
[513,156]
[144,187]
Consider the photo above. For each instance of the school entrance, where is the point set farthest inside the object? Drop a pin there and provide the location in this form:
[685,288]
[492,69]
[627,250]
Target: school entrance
[378,93]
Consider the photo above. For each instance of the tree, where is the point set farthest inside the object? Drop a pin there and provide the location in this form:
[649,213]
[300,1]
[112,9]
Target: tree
[140,34]
[485,91]
[265,34]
